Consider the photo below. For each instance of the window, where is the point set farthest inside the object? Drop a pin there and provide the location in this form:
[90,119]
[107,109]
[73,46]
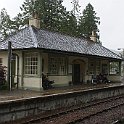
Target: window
[97,67]
[31,63]
[94,67]
[104,69]
[1,61]
[57,65]
[53,65]
[91,67]
[114,68]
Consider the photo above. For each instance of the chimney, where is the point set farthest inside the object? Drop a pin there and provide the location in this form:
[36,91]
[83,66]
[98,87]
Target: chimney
[93,36]
[34,20]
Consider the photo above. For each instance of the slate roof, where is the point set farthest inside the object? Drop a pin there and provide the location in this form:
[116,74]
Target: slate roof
[31,37]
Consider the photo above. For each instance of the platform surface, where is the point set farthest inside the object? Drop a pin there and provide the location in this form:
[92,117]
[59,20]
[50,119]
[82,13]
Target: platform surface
[21,94]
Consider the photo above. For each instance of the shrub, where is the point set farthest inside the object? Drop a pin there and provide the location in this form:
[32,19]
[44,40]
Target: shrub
[2,76]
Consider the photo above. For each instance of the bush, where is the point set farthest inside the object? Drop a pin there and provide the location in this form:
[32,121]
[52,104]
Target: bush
[2,77]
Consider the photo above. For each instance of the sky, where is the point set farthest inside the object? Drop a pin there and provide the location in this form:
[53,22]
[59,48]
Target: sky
[110,13]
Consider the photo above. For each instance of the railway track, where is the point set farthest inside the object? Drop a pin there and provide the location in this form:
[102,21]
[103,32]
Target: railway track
[81,114]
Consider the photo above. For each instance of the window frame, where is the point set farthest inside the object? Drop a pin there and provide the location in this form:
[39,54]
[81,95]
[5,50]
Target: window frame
[58,64]
[119,69]
[94,66]
[31,63]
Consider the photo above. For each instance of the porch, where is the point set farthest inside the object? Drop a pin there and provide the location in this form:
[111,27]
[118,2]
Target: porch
[62,67]
[65,69]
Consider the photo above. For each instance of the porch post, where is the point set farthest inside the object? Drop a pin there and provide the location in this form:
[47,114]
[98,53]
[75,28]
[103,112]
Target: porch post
[22,71]
[9,66]
[40,70]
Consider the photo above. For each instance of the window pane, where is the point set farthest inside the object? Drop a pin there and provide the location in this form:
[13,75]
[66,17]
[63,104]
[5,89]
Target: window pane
[31,63]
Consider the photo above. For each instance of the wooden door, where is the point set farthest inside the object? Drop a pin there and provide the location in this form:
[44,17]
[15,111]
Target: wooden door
[76,74]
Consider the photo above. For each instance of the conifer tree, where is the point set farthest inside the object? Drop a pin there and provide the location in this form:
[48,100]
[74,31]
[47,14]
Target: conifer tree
[50,12]
[88,22]
[53,16]
[76,8]
[9,26]
[5,24]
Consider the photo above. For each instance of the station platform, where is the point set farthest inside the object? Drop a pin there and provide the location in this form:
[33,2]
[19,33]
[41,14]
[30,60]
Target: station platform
[22,94]
[20,104]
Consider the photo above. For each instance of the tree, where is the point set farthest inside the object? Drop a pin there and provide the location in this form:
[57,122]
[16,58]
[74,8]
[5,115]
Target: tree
[50,12]
[76,8]
[5,24]
[19,22]
[69,25]
[88,22]
[53,15]
[9,26]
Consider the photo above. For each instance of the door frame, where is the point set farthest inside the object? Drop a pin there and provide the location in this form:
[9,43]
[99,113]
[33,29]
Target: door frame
[82,64]
[75,69]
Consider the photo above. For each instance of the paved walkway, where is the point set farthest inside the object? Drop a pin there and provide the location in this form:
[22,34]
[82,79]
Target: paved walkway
[19,94]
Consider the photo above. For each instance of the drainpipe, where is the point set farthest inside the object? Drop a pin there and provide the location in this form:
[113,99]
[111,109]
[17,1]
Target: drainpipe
[14,54]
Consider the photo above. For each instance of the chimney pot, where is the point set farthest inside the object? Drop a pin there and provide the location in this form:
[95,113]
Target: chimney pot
[34,20]
[93,36]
